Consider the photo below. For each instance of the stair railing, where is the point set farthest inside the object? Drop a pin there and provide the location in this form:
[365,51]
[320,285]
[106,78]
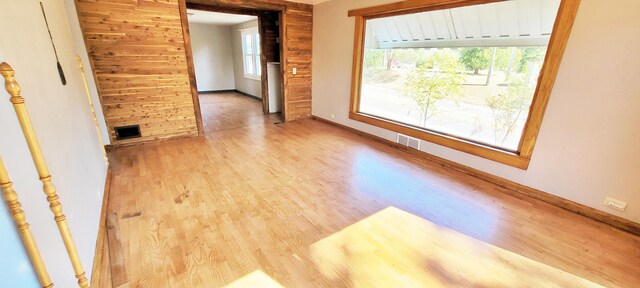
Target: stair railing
[11,198]
[43,171]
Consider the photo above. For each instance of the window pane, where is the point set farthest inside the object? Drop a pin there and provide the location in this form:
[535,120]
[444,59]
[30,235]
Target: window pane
[258,65]
[248,64]
[258,44]
[248,44]
[481,92]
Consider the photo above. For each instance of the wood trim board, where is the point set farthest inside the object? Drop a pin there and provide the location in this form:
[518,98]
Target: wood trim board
[101,271]
[514,188]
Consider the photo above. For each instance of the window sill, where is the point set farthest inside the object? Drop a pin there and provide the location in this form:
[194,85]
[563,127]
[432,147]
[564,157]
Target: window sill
[501,156]
[252,77]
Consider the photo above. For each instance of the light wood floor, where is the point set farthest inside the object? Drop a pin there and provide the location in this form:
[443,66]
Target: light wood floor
[306,204]
[231,110]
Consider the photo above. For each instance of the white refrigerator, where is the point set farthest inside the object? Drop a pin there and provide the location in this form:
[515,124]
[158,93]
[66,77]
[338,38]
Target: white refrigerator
[275,87]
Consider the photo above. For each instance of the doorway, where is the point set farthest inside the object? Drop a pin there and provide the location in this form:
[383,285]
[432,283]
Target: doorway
[235,62]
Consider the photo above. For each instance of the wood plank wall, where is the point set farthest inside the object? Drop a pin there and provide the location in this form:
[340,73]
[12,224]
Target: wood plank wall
[298,24]
[137,53]
[138,58]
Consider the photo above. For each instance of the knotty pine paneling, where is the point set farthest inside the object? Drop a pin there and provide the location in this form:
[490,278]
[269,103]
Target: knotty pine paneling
[137,53]
[139,60]
[298,21]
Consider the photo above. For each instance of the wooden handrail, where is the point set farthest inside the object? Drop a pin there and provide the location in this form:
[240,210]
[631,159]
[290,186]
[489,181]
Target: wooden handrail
[93,110]
[11,198]
[43,171]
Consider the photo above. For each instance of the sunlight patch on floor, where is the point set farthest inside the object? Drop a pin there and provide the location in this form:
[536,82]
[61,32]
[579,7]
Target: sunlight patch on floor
[255,279]
[385,178]
[394,248]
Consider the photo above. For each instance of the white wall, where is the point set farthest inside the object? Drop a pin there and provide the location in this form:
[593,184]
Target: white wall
[212,56]
[246,85]
[81,50]
[588,144]
[63,122]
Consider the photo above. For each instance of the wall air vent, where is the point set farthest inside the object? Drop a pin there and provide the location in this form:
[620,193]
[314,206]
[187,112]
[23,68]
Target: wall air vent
[408,141]
[128,132]
[414,143]
[403,140]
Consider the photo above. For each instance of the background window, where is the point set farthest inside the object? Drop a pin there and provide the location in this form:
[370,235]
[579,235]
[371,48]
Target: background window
[251,53]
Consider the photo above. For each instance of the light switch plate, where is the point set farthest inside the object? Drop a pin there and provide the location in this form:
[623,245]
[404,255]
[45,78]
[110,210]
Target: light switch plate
[295,70]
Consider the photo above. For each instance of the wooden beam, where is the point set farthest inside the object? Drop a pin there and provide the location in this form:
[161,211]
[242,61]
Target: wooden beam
[190,66]
[274,5]
[222,9]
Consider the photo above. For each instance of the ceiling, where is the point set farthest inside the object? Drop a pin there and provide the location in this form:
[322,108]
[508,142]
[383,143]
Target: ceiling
[215,18]
[508,23]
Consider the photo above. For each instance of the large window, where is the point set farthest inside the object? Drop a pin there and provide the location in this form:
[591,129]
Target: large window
[474,78]
[251,53]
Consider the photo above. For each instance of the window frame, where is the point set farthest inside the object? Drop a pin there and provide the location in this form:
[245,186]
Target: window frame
[255,56]
[520,158]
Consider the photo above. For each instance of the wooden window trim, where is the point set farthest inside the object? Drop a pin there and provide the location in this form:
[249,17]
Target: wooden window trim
[519,159]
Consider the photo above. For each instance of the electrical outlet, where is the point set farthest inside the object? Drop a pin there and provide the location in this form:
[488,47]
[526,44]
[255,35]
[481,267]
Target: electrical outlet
[295,70]
[333,116]
[615,204]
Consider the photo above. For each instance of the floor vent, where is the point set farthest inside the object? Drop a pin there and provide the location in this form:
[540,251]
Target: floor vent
[408,141]
[128,132]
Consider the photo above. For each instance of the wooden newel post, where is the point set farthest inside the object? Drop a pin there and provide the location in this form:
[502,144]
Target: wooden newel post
[15,208]
[38,159]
